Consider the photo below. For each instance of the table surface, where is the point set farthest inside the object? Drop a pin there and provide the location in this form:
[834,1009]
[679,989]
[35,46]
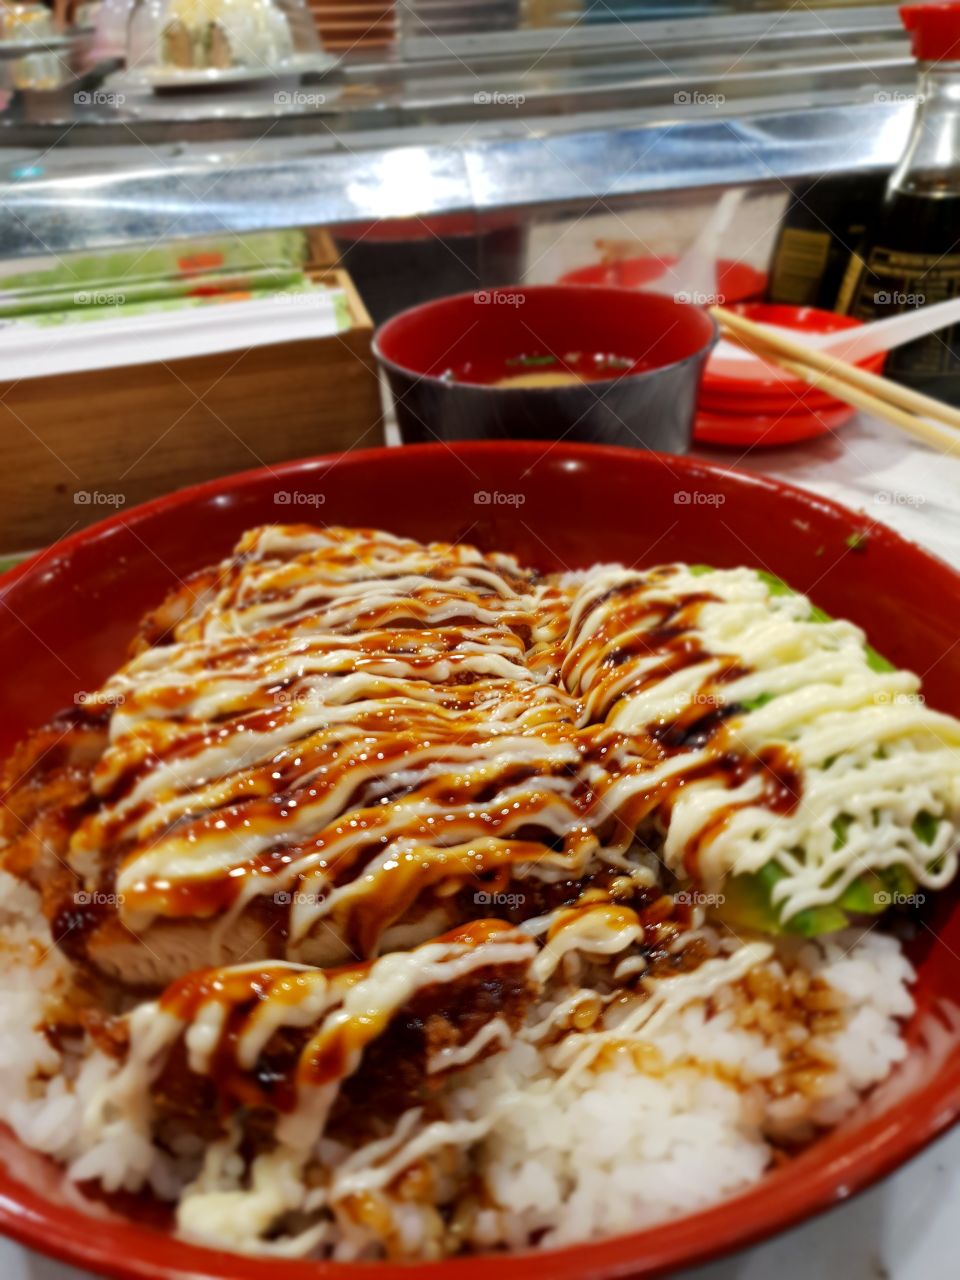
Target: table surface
[904,1229]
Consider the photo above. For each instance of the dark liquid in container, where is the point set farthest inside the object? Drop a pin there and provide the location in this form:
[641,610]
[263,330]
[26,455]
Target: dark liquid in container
[912,259]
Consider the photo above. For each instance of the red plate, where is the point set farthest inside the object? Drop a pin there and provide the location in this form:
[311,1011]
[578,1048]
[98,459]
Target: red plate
[69,613]
[736,281]
[768,429]
[778,390]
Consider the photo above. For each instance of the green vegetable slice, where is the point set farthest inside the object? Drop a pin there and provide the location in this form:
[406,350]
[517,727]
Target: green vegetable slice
[748,898]
[925,826]
[747,904]
[748,901]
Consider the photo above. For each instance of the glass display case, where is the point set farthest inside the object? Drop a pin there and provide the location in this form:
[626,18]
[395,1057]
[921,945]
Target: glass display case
[445,133]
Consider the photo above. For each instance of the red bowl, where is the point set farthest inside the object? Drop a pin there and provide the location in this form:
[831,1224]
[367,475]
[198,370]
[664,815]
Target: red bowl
[650,409]
[68,613]
[736,281]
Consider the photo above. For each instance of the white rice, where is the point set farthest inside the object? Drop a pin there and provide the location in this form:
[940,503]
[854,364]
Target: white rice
[652,1130]
[624,1149]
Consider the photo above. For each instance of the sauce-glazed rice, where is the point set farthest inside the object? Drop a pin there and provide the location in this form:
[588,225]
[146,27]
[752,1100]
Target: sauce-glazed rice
[399,900]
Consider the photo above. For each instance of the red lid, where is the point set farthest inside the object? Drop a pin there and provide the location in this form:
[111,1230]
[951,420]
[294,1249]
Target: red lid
[935,29]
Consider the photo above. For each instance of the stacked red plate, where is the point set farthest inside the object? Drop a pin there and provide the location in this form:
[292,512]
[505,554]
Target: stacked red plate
[736,409]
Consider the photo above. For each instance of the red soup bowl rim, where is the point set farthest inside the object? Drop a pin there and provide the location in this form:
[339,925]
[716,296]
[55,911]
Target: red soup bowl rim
[600,385]
[838,1166]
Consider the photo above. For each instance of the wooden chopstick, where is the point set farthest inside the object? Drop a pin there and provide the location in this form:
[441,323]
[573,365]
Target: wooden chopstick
[898,405]
[915,401]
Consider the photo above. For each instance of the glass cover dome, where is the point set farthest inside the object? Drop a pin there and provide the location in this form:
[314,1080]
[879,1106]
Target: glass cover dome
[220,39]
[25,21]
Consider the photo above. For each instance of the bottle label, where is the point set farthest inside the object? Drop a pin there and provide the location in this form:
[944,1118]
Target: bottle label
[799,266]
[848,286]
[892,281]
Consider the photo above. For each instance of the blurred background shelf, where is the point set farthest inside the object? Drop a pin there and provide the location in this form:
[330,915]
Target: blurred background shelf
[474,118]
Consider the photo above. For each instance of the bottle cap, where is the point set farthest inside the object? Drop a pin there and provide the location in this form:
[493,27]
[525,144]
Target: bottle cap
[935,29]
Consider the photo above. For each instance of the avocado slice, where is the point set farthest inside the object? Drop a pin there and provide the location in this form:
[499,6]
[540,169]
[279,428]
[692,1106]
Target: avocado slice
[748,904]
[748,898]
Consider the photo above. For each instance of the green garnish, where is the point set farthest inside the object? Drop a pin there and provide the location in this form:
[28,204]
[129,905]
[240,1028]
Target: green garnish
[754,704]
[531,362]
[856,540]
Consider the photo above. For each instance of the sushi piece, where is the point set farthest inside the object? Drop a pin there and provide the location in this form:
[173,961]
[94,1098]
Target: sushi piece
[177,45]
[218,35]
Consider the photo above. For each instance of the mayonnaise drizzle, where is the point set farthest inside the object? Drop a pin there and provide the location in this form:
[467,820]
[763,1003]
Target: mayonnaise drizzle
[346,704]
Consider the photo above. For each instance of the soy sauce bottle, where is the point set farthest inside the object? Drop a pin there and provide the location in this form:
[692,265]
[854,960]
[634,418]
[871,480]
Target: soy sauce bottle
[825,217]
[911,256]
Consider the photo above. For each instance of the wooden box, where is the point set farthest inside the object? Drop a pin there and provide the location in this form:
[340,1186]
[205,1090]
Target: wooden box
[79,446]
